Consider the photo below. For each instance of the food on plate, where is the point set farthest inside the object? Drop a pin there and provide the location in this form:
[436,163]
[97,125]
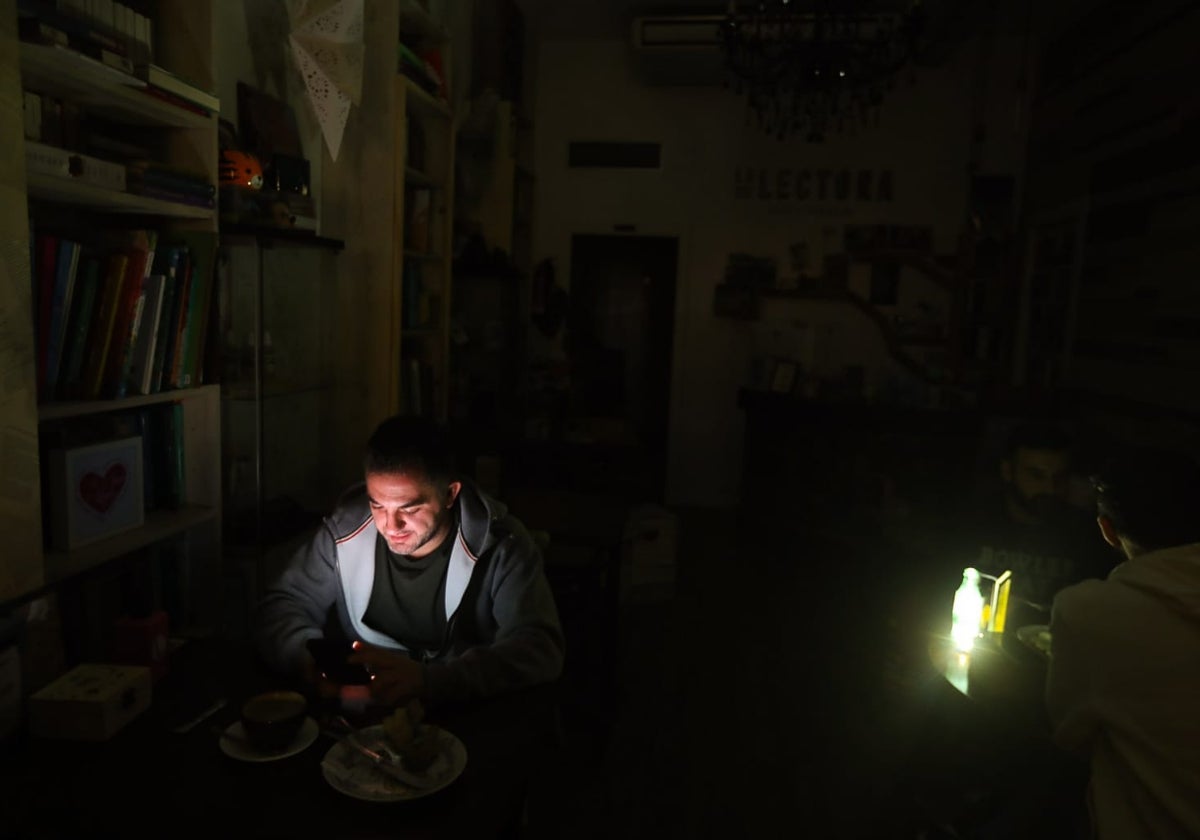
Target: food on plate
[416,744]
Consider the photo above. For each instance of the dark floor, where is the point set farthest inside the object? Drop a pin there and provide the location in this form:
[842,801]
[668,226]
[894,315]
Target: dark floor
[754,703]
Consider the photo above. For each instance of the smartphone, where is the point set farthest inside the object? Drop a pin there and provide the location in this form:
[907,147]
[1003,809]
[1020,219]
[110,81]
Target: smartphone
[331,655]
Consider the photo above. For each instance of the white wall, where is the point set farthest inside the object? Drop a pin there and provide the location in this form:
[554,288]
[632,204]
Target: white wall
[587,90]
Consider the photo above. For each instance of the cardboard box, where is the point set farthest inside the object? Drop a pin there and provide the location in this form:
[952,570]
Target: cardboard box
[51,160]
[90,702]
[45,159]
[98,173]
[95,492]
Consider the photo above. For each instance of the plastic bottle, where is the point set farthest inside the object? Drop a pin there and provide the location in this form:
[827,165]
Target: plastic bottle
[968,611]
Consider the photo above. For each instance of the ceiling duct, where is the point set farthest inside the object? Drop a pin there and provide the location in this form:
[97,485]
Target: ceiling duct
[679,49]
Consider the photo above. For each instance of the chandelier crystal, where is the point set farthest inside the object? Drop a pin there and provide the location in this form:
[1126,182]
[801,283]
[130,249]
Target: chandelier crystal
[813,67]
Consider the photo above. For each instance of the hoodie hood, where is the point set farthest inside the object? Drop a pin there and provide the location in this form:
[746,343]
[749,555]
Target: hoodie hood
[1170,574]
[476,513]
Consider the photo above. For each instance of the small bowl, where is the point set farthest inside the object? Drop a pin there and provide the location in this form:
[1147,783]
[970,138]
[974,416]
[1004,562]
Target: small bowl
[271,720]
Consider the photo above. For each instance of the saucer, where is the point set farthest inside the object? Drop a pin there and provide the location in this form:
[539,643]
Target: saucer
[234,744]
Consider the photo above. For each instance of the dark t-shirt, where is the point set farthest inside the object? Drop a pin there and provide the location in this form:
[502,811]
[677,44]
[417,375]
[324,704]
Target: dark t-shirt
[408,599]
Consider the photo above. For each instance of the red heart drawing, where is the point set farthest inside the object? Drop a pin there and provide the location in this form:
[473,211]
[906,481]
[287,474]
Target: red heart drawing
[100,491]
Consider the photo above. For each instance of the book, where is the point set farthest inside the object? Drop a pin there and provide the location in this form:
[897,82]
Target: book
[202,250]
[174,354]
[82,316]
[170,194]
[125,325]
[138,380]
[96,67]
[109,58]
[38,18]
[33,31]
[102,329]
[168,267]
[147,423]
[147,240]
[47,252]
[156,175]
[168,82]
[175,494]
[139,247]
[178,102]
[66,265]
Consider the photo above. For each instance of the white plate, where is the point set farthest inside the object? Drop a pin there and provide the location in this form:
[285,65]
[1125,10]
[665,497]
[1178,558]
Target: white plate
[353,774]
[234,744]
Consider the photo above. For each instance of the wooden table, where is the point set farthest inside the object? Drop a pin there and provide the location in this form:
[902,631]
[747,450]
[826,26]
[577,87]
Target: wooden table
[1037,790]
[1001,676]
[149,781]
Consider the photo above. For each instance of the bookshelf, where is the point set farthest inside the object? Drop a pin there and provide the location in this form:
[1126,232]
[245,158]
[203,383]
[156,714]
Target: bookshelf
[184,533]
[424,197]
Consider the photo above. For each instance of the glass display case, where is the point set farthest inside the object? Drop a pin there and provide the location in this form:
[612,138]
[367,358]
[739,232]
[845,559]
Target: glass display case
[278,333]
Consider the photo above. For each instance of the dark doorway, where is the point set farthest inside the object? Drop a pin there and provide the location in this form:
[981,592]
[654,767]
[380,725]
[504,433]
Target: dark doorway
[620,333]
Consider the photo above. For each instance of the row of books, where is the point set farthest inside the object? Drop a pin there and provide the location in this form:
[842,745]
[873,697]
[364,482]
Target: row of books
[124,314]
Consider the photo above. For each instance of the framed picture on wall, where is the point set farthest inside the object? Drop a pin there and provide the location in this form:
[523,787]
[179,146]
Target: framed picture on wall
[783,376]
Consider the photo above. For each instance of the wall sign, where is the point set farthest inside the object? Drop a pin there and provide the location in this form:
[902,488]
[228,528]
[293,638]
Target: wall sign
[786,184]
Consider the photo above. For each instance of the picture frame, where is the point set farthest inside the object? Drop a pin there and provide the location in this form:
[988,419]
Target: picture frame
[95,492]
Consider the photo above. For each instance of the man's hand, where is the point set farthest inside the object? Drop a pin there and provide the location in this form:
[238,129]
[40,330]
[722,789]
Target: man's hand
[395,678]
[313,676]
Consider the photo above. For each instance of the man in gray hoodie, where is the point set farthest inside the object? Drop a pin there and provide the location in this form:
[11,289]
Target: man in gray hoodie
[439,589]
[1124,677]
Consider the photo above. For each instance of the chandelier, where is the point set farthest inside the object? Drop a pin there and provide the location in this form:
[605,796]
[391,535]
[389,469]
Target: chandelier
[818,66]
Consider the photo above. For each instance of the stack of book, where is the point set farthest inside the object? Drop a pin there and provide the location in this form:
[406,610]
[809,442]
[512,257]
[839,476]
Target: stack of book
[157,180]
[109,32]
[165,85]
[124,314]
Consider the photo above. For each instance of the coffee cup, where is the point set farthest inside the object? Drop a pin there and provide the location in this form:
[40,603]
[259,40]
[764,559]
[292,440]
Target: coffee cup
[272,719]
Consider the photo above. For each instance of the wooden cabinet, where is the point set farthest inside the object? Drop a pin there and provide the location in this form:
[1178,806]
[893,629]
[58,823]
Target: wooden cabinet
[74,209]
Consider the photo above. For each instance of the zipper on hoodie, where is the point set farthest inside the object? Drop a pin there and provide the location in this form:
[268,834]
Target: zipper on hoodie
[431,656]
